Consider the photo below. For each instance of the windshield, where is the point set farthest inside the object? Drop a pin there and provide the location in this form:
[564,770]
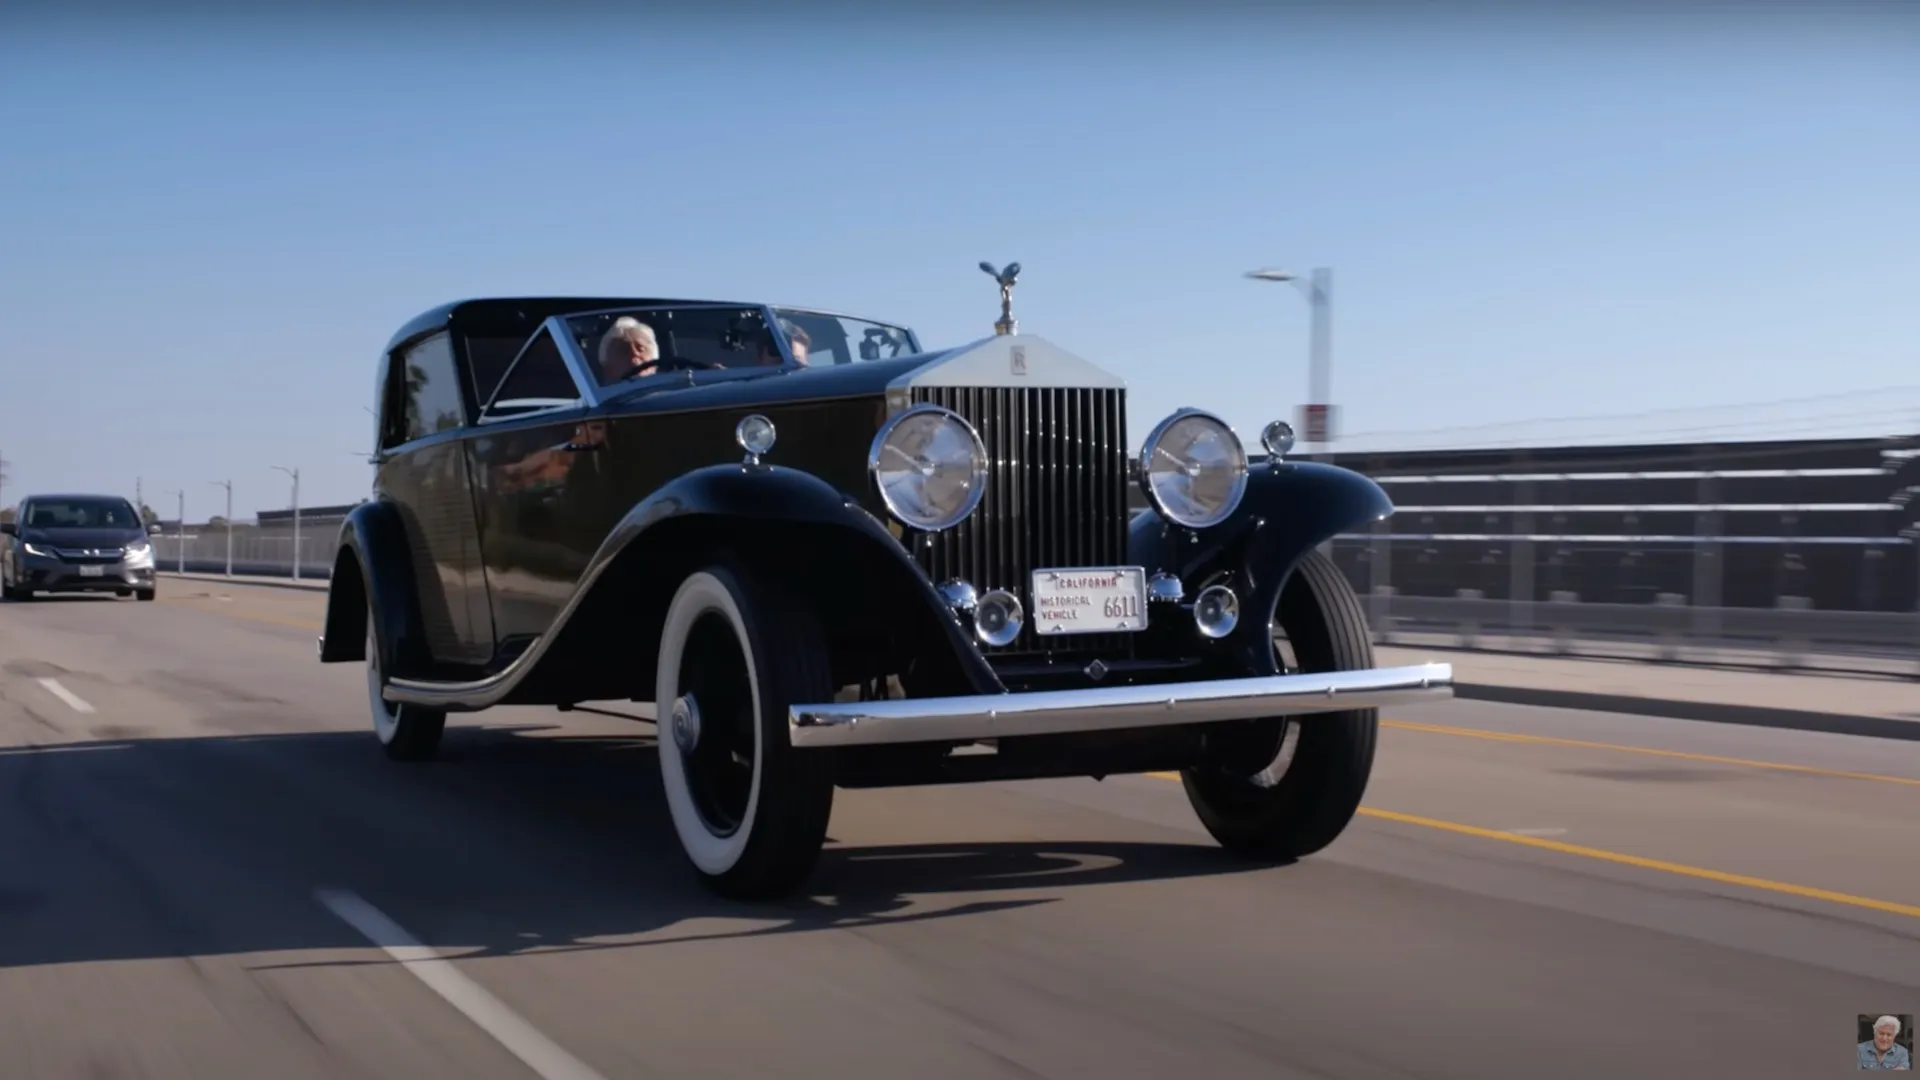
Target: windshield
[639,342]
[81,514]
[838,339]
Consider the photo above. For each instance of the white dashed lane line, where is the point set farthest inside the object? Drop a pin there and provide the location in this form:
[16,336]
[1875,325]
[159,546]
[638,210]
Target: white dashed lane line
[487,1012]
[72,699]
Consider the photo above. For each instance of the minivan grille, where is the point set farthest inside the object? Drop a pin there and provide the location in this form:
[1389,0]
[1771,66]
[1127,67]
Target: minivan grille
[1056,497]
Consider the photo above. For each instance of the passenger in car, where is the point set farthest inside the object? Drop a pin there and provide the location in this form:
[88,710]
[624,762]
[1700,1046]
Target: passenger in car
[626,349]
[797,340]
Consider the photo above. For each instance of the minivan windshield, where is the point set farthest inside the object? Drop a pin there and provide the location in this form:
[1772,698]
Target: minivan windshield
[81,513]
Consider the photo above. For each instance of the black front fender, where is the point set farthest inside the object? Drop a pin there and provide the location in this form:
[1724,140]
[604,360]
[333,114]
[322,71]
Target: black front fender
[1287,511]
[372,560]
[798,527]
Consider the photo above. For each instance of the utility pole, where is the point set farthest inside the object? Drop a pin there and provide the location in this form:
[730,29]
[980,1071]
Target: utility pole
[140,500]
[295,473]
[3,477]
[180,533]
[228,484]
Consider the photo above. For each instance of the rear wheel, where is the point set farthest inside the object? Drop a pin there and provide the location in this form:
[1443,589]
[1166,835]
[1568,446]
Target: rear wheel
[1290,786]
[406,732]
[736,652]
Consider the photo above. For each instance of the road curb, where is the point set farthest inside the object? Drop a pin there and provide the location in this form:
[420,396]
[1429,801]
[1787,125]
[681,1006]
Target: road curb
[265,583]
[1872,727]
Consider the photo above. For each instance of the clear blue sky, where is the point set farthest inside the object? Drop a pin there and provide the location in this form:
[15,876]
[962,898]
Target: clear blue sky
[210,229]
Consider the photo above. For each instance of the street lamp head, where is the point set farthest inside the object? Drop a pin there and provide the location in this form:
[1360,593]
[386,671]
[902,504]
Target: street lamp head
[1273,275]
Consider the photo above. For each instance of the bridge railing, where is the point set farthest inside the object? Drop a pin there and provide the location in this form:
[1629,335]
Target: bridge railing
[1790,635]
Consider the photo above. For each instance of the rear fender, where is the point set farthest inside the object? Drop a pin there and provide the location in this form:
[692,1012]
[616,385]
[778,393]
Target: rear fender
[372,560]
[1288,510]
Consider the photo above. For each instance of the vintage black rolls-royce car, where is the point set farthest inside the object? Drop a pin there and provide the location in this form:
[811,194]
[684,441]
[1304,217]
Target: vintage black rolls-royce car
[830,557]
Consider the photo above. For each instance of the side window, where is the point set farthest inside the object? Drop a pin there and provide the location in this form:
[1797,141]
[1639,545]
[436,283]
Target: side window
[425,393]
[538,380]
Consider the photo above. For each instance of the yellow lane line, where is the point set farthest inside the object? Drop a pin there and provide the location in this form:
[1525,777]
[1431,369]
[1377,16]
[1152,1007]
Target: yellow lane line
[1502,736]
[1682,869]
[1620,858]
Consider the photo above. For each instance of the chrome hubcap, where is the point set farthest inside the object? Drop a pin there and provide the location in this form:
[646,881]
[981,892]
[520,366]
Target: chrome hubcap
[685,723]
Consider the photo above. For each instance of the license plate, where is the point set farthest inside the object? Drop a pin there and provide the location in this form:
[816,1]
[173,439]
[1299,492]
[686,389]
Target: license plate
[93,571]
[1090,600]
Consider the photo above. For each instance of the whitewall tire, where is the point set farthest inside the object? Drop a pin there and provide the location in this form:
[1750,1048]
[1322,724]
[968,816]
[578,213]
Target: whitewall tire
[735,653]
[406,732]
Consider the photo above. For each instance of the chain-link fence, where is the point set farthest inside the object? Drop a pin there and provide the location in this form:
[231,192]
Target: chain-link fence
[254,552]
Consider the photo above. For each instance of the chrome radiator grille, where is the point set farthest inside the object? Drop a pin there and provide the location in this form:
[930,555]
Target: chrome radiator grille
[1056,497]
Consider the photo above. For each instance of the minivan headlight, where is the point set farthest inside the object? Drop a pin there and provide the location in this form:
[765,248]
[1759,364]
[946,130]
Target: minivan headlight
[1193,469]
[930,467]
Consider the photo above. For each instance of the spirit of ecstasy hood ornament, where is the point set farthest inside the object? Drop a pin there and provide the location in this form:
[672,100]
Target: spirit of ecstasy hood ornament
[1005,324]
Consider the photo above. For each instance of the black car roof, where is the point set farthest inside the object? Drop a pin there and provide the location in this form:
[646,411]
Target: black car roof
[509,315]
[51,495]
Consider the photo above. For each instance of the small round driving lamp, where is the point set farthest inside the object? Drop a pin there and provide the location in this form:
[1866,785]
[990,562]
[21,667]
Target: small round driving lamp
[755,434]
[1277,438]
[1193,469]
[930,467]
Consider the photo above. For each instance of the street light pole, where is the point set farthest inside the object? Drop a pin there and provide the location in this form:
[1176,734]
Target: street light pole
[180,533]
[228,484]
[1318,289]
[295,473]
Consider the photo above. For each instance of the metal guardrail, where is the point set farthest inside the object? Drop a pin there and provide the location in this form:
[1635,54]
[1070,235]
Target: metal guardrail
[1791,635]
[263,554]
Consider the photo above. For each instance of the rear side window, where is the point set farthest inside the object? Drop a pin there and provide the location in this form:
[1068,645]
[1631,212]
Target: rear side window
[430,389]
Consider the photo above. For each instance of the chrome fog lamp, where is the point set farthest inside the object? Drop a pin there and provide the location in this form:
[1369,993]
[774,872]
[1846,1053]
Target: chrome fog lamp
[998,617]
[755,434]
[1193,469]
[959,595]
[1216,611]
[1277,438]
[930,467]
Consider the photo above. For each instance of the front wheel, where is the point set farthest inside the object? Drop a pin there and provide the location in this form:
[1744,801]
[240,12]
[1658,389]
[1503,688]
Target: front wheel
[736,651]
[406,732]
[1293,784]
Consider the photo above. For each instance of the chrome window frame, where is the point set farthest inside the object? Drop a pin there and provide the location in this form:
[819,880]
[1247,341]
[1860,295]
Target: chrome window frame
[584,387]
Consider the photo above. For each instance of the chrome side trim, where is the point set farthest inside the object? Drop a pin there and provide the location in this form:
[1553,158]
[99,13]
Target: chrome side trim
[1111,708]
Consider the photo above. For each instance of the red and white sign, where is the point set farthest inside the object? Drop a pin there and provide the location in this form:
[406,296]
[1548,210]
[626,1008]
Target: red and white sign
[1316,423]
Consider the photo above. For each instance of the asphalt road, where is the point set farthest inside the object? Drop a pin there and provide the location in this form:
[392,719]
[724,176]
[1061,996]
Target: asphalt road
[200,846]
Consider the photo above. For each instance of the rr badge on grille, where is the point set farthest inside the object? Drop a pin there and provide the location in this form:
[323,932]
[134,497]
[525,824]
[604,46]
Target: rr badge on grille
[1019,359]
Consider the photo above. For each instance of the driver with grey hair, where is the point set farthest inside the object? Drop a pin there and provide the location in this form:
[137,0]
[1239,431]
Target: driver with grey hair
[1881,1052]
[626,348]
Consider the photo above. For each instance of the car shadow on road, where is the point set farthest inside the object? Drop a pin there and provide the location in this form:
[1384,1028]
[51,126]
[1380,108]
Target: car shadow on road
[518,839]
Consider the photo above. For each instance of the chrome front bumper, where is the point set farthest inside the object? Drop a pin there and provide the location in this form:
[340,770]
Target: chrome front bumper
[1060,712]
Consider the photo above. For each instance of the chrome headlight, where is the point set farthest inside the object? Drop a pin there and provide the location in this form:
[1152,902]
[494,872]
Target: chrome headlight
[1193,469]
[44,551]
[139,552]
[930,467]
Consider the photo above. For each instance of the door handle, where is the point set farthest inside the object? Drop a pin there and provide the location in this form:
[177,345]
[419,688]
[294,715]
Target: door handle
[578,447]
